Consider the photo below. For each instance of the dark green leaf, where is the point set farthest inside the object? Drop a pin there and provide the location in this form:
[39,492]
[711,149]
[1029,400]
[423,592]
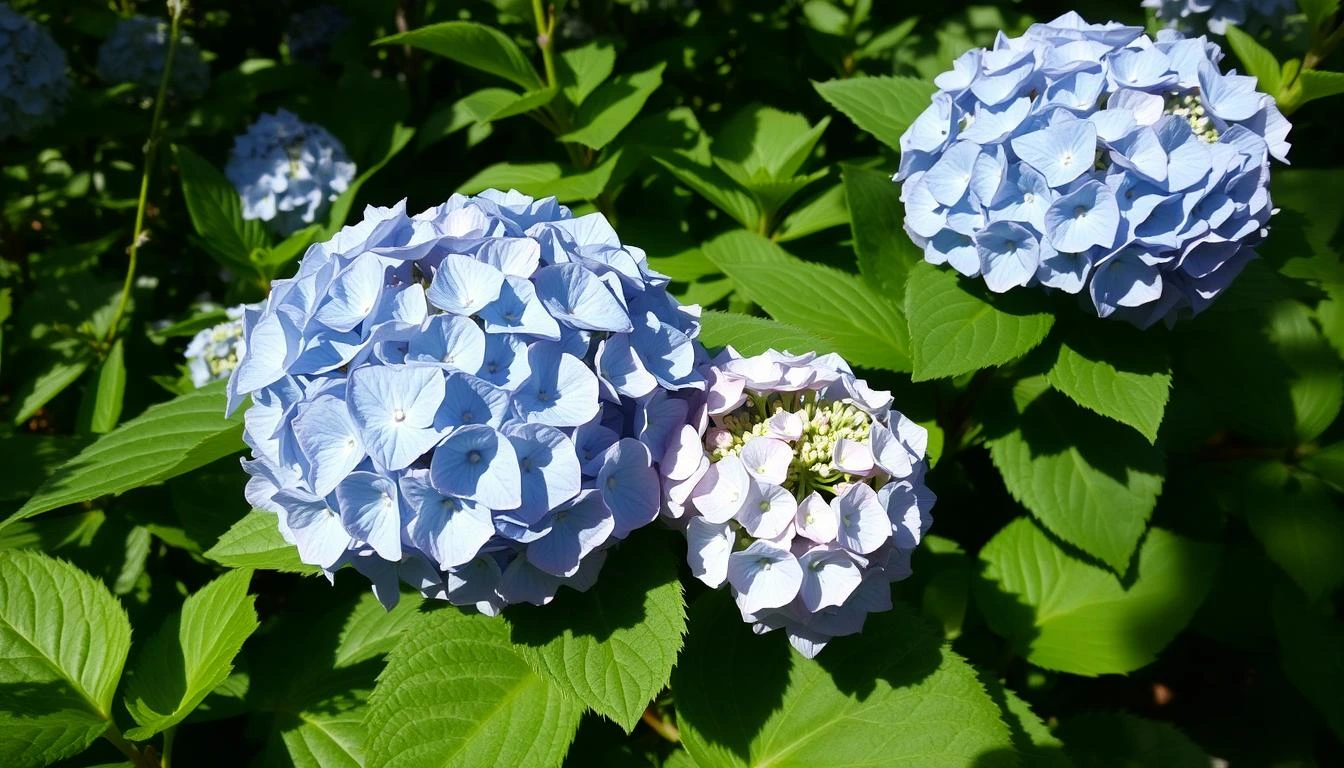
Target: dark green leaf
[109,389]
[1311,650]
[217,213]
[1116,371]
[612,106]
[1296,519]
[753,335]
[475,45]
[1118,740]
[882,106]
[885,252]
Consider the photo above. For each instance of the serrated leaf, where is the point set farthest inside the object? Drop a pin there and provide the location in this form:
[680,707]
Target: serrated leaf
[371,630]
[1120,740]
[475,45]
[109,388]
[1319,84]
[255,542]
[581,70]
[63,642]
[321,739]
[1256,59]
[750,700]
[767,143]
[1037,745]
[858,322]
[611,107]
[455,692]
[1297,521]
[1311,651]
[216,212]
[1064,614]
[190,655]
[821,211]
[882,106]
[754,335]
[166,440]
[1117,372]
[714,185]
[956,329]
[884,251]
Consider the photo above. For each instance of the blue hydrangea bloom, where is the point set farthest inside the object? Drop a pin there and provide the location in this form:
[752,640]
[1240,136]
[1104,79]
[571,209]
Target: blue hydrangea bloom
[312,31]
[288,172]
[214,352]
[1094,160]
[135,53]
[472,400]
[1194,16]
[800,488]
[34,86]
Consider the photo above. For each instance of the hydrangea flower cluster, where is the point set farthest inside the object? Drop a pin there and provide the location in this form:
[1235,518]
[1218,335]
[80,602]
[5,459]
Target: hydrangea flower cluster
[136,51]
[1092,157]
[287,171]
[1194,16]
[312,31]
[472,400]
[34,85]
[800,488]
[214,352]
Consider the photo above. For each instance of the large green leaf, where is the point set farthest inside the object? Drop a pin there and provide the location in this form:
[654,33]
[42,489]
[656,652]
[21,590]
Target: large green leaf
[1064,614]
[581,70]
[1092,482]
[955,328]
[612,106]
[714,185]
[884,251]
[823,210]
[190,655]
[477,46]
[1311,651]
[371,630]
[614,645]
[1116,371]
[1118,740]
[457,693]
[882,106]
[1296,519]
[217,213]
[63,642]
[890,696]
[255,542]
[859,323]
[763,143]
[753,335]
[166,440]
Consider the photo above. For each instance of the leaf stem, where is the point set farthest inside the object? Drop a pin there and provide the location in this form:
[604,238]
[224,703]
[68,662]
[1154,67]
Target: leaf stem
[166,760]
[175,9]
[113,734]
[664,728]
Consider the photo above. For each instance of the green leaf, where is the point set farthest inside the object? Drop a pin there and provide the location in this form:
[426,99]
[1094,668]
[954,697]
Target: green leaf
[822,211]
[138,540]
[1090,481]
[885,252]
[1296,519]
[581,70]
[1318,11]
[1256,59]
[1311,651]
[754,335]
[30,459]
[714,185]
[217,213]
[1116,371]
[63,642]
[543,180]
[456,692]
[1036,744]
[882,106]
[1063,614]
[1319,84]
[750,700]
[255,542]
[1120,740]
[612,106]
[613,646]
[397,139]
[372,631]
[858,322]
[62,371]
[324,739]
[166,440]
[766,143]
[1328,464]
[475,45]
[190,655]
[109,388]
[956,329]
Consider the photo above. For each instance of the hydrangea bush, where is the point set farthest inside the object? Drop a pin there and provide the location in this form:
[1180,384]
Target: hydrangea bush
[215,351]
[287,171]
[136,51]
[34,86]
[1094,160]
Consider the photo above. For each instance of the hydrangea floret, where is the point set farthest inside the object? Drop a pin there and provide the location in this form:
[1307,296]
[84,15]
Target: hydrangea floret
[1094,160]
[34,85]
[287,171]
[312,31]
[800,488]
[136,50]
[214,352]
[471,400]
[1195,16]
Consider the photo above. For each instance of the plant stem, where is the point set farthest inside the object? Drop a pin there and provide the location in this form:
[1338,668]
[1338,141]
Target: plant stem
[166,760]
[664,728]
[545,39]
[113,734]
[151,149]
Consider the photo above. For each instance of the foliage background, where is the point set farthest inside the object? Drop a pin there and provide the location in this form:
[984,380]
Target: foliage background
[1138,543]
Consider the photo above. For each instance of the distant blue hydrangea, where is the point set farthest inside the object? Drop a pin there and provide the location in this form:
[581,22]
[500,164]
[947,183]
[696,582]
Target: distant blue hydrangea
[135,53]
[800,488]
[1092,158]
[473,400]
[34,86]
[1194,16]
[287,171]
[312,31]
[214,352]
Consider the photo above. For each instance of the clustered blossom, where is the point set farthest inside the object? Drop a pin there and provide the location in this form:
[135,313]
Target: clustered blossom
[472,400]
[214,352]
[137,50]
[312,31]
[800,488]
[287,171]
[1092,157]
[34,86]
[1194,16]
